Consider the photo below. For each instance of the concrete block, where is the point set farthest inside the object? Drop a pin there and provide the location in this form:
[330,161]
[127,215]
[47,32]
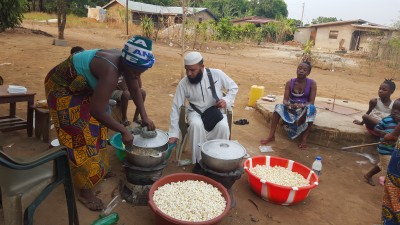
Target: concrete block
[58,42]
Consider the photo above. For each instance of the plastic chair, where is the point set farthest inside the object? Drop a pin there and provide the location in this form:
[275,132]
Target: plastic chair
[183,127]
[25,184]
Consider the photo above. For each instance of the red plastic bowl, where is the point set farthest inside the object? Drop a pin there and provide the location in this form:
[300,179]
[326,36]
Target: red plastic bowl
[275,193]
[164,219]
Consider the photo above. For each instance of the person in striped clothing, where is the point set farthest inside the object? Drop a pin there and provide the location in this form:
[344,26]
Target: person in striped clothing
[385,126]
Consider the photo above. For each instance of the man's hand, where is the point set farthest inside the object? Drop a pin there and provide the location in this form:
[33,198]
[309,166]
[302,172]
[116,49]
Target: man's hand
[358,122]
[173,140]
[148,123]
[221,104]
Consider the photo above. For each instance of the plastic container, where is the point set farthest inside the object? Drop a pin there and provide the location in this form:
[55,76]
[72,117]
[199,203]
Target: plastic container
[107,220]
[278,194]
[256,92]
[116,142]
[110,207]
[164,219]
[317,165]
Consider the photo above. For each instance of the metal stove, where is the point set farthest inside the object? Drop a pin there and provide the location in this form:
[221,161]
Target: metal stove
[135,187]
[226,179]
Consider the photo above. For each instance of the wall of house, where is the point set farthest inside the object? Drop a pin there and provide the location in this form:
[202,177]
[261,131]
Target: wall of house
[116,13]
[303,35]
[323,41]
[203,15]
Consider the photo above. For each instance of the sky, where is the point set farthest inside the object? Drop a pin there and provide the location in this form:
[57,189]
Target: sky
[384,12]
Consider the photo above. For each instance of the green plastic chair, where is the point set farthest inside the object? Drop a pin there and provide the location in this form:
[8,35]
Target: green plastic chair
[25,184]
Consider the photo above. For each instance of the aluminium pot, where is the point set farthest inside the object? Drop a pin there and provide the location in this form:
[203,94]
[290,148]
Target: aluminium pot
[158,144]
[222,155]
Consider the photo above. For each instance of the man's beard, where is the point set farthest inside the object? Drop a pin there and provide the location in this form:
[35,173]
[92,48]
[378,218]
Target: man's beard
[197,78]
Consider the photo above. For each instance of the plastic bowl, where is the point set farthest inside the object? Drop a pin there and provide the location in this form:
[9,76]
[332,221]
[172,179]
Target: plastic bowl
[275,193]
[164,219]
[116,142]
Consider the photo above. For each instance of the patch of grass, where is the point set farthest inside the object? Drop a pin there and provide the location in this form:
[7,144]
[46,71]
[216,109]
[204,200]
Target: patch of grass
[39,16]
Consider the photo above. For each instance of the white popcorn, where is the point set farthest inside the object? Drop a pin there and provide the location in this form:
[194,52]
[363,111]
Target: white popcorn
[190,200]
[279,175]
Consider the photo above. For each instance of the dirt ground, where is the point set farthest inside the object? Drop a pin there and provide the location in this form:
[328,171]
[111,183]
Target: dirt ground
[342,196]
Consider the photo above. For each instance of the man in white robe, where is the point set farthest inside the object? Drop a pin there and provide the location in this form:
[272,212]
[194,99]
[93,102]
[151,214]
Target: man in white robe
[195,88]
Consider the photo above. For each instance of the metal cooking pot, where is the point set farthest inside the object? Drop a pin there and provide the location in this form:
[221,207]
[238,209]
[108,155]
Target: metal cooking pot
[222,155]
[159,144]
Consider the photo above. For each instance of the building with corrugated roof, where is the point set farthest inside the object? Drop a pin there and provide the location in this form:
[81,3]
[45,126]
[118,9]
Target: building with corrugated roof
[354,35]
[168,15]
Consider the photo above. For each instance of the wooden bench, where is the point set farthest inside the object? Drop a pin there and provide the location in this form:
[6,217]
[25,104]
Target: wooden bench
[42,124]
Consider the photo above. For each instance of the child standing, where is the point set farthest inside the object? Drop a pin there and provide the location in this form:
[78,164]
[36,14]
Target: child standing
[391,202]
[385,126]
[378,107]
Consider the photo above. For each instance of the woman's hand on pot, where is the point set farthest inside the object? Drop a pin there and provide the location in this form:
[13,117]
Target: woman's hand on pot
[148,123]
[173,140]
[127,139]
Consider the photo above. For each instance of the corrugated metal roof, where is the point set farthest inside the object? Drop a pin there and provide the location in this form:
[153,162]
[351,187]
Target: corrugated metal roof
[368,26]
[355,23]
[252,19]
[155,9]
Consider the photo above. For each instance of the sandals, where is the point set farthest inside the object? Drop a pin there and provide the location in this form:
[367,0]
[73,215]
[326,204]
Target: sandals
[126,123]
[94,204]
[241,122]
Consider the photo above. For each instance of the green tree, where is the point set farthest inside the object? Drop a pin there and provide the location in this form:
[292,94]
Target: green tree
[224,8]
[11,13]
[396,23]
[61,17]
[322,19]
[270,8]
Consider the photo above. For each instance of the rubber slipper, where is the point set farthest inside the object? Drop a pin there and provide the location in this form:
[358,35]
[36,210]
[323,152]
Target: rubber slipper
[110,174]
[240,122]
[92,204]
[126,123]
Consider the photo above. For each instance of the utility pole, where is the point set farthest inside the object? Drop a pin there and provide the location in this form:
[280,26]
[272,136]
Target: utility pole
[183,36]
[302,13]
[126,17]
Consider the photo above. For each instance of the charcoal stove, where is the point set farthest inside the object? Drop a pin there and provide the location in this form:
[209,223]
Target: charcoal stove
[135,187]
[227,179]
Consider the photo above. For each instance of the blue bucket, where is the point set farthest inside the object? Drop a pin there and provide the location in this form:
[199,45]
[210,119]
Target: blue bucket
[116,142]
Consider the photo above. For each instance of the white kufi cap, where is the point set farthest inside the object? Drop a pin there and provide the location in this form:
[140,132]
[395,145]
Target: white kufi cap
[192,58]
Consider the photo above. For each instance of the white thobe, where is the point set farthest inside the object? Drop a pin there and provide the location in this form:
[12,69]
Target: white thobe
[200,95]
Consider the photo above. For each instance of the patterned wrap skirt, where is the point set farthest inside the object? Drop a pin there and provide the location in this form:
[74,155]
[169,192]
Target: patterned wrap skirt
[68,98]
[296,121]
[391,197]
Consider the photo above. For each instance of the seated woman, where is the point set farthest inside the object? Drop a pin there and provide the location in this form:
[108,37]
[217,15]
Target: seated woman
[298,110]
[378,107]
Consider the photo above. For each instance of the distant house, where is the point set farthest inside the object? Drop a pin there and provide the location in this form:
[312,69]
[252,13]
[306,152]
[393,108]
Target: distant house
[257,20]
[344,35]
[169,15]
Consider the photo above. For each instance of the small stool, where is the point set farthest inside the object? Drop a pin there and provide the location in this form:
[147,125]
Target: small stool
[42,124]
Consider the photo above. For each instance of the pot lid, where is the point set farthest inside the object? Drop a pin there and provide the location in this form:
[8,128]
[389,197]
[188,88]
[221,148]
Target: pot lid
[159,140]
[223,149]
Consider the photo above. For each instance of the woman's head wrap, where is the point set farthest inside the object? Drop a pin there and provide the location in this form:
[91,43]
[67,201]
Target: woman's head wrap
[137,53]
